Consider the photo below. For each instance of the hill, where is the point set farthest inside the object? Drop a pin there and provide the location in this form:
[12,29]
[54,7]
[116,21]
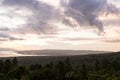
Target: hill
[59,52]
[82,67]
[75,60]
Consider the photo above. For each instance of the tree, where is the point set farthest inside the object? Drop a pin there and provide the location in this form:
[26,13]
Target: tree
[15,61]
[7,65]
[106,64]
[68,66]
[1,66]
[60,68]
[84,72]
[97,65]
[115,65]
[71,76]
[17,72]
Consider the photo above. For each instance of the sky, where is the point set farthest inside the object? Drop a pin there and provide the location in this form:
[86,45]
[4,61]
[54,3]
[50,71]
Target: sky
[60,24]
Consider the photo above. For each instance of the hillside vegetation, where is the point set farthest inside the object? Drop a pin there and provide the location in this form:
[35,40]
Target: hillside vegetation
[85,67]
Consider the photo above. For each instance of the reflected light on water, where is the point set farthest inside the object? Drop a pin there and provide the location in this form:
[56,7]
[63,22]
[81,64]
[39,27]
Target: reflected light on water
[11,54]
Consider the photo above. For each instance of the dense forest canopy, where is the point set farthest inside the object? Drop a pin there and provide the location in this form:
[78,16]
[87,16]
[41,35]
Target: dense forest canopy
[104,69]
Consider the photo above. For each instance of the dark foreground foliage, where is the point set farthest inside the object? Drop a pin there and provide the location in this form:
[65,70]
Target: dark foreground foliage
[61,70]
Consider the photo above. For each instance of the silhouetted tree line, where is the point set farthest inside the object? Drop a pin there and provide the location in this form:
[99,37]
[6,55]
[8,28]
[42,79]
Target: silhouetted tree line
[62,70]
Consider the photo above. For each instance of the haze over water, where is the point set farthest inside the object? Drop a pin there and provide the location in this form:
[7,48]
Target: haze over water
[12,54]
[9,54]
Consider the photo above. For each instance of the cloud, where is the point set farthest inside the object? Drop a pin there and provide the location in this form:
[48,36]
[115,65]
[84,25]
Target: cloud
[20,3]
[112,40]
[73,13]
[81,39]
[4,29]
[6,37]
[112,9]
[37,28]
[40,20]
[87,12]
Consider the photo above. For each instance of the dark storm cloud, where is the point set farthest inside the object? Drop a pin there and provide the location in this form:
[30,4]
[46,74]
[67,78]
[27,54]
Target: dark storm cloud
[87,12]
[39,21]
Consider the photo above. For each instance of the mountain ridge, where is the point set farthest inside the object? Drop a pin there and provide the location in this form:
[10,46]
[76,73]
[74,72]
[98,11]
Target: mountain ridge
[57,52]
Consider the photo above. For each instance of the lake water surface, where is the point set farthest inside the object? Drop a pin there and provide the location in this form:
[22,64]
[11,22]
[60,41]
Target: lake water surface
[11,54]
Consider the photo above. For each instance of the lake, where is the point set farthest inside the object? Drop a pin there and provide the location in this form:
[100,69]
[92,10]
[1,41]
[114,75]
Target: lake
[11,54]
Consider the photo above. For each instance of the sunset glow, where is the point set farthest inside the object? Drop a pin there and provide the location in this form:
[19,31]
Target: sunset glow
[54,24]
